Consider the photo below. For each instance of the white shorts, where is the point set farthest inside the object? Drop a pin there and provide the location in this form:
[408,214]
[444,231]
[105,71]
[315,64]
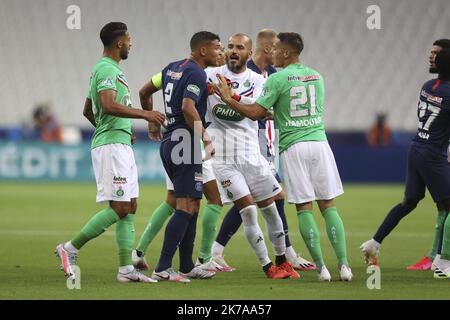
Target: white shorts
[115,172]
[310,172]
[207,172]
[240,178]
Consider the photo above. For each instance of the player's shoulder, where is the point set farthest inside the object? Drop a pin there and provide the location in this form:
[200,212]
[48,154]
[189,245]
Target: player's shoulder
[211,72]
[105,66]
[255,76]
[437,87]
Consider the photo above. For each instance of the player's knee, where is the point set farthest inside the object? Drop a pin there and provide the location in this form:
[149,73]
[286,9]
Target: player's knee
[121,208]
[410,204]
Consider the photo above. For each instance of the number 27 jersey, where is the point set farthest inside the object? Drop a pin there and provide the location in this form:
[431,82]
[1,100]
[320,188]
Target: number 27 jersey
[434,114]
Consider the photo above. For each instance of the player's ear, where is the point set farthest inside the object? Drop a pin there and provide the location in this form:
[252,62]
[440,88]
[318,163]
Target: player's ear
[203,51]
[119,44]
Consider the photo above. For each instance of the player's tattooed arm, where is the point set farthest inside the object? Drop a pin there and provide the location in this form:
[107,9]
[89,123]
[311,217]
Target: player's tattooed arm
[88,113]
[253,111]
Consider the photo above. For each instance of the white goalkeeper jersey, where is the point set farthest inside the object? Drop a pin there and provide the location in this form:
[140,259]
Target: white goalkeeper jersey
[233,135]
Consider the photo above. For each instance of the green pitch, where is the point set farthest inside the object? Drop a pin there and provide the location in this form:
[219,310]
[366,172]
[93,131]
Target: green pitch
[36,217]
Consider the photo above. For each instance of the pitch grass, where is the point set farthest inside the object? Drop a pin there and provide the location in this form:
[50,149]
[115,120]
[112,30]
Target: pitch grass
[35,217]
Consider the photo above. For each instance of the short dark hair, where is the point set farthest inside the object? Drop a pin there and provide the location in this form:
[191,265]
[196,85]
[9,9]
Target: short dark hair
[443,43]
[292,39]
[443,62]
[111,31]
[202,37]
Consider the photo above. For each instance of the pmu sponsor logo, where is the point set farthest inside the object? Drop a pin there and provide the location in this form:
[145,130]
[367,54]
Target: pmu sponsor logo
[313,77]
[431,98]
[174,75]
[224,112]
[119,180]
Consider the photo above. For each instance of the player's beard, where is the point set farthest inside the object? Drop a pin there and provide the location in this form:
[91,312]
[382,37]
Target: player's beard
[235,67]
[124,54]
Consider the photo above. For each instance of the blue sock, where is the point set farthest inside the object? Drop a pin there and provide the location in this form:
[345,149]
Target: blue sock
[187,246]
[390,222]
[230,224]
[175,230]
[280,208]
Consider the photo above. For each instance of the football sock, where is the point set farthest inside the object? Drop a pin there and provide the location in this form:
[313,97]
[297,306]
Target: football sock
[440,219]
[125,236]
[254,234]
[390,222]
[445,240]
[95,227]
[175,230]
[310,234]
[209,227]
[280,259]
[274,227]
[267,267]
[156,222]
[187,246]
[336,234]
[230,225]
[280,208]
[217,249]
[291,255]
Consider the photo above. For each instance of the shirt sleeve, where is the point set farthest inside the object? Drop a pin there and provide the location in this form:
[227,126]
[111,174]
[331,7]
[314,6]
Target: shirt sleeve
[269,95]
[157,80]
[106,79]
[195,86]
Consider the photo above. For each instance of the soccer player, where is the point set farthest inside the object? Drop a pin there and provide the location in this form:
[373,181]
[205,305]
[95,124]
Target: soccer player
[243,172]
[185,94]
[161,214]
[108,108]
[427,166]
[296,94]
[261,62]
[427,261]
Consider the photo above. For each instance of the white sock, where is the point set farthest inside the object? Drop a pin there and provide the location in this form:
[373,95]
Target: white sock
[69,247]
[217,249]
[291,255]
[274,227]
[254,233]
[126,269]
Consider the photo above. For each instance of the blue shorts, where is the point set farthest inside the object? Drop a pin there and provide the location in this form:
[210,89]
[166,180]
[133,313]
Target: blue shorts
[427,168]
[186,176]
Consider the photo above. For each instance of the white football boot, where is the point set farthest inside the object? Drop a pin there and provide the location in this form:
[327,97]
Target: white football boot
[222,263]
[345,273]
[198,273]
[324,274]
[169,275]
[68,260]
[370,250]
[134,276]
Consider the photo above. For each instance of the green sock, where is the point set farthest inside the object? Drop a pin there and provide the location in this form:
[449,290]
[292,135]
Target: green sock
[336,234]
[439,225]
[125,236]
[310,234]
[156,222]
[445,252]
[95,227]
[209,227]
